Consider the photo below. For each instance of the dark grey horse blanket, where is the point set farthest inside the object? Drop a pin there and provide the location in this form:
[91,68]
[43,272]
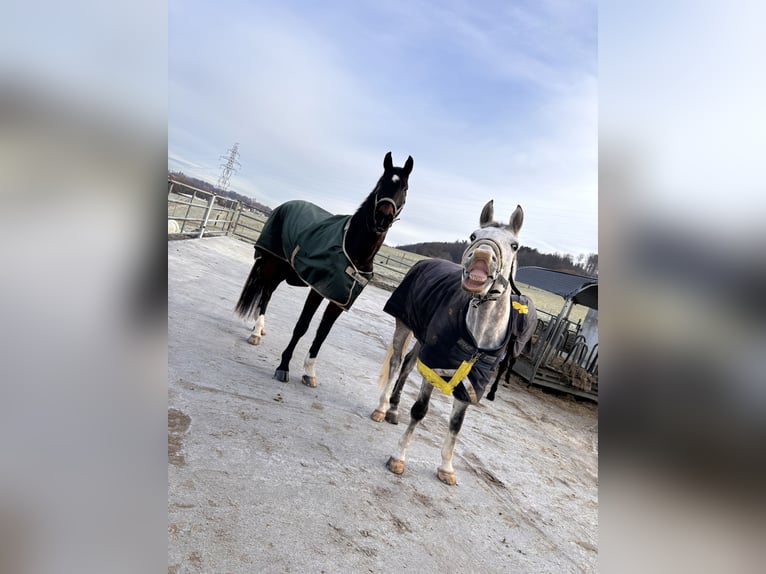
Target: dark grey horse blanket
[432,303]
[312,241]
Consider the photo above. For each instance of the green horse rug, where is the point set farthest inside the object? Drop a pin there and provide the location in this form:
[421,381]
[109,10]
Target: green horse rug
[312,241]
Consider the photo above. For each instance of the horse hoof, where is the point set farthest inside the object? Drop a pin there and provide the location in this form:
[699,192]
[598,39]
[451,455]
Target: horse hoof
[392,417]
[446,477]
[377,416]
[254,339]
[281,375]
[309,381]
[395,466]
[491,397]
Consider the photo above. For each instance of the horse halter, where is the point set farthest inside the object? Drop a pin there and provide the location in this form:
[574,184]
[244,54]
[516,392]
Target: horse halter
[378,202]
[494,293]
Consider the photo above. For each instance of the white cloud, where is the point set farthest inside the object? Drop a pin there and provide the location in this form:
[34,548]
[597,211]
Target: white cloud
[316,99]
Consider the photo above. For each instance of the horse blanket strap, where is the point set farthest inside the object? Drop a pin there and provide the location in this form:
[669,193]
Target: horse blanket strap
[432,303]
[435,378]
[312,241]
[357,275]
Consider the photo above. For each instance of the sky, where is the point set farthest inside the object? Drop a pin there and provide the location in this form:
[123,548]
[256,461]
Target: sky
[493,100]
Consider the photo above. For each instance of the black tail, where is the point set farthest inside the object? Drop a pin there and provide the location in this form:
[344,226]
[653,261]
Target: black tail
[250,298]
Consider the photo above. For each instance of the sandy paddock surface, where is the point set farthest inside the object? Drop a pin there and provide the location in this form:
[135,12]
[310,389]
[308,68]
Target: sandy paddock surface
[265,476]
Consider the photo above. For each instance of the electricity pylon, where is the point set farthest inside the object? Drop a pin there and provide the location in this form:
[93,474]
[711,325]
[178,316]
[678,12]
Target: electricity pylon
[229,167]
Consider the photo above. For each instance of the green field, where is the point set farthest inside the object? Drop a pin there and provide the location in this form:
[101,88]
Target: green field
[550,302]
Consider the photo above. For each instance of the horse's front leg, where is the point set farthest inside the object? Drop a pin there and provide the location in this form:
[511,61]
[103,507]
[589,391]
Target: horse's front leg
[417,412]
[388,370]
[330,315]
[445,472]
[309,308]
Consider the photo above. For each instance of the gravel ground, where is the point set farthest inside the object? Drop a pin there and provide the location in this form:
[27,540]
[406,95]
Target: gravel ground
[265,476]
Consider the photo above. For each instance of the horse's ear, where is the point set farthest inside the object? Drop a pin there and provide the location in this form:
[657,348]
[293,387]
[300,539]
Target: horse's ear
[408,165]
[388,163]
[517,218]
[487,214]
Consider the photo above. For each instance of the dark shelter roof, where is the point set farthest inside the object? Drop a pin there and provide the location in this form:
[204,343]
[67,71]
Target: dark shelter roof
[580,289]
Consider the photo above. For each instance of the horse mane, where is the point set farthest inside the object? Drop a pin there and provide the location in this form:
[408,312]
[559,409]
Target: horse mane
[366,208]
[361,243]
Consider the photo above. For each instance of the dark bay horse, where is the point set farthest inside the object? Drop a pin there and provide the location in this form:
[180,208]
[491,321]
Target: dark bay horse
[463,318]
[332,254]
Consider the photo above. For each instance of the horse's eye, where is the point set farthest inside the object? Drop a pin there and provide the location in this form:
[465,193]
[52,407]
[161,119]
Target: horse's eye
[473,237]
[515,246]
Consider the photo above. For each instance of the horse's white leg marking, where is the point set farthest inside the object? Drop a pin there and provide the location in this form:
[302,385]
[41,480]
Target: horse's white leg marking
[448,448]
[309,366]
[258,331]
[445,472]
[309,371]
[391,363]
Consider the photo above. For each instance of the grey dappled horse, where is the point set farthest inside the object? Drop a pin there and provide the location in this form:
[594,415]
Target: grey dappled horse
[463,317]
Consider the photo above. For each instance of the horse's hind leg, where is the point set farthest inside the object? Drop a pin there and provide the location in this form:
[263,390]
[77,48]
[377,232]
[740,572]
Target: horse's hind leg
[259,330]
[263,279]
[410,359]
[509,370]
[390,365]
[445,472]
[330,315]
[506,366]
[250,297]
[500,370]
[417,412]
[309,308]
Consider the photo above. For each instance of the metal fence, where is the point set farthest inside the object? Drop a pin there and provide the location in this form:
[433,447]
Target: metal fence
[196,213]
[560,358]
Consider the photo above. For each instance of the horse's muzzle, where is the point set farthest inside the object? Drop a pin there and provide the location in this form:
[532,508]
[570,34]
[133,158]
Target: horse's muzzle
[383,222]
[480,265]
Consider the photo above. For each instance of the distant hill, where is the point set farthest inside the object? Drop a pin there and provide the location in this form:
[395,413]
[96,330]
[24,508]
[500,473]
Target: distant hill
[527,257]
[202,184]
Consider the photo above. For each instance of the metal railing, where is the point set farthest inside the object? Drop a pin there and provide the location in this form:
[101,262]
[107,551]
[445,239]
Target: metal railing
[560,357]
[198,212]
